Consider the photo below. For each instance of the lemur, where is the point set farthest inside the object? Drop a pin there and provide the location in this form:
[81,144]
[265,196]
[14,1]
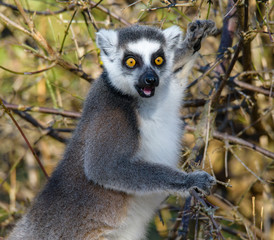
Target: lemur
[121,162]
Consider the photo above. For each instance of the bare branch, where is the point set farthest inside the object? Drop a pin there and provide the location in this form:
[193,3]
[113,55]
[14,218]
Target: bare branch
[45,13]
[46,130]
[71,7]
[236,140]
[53,55]
[251,87]
[25,138]
[60,112]
[29,73]
[105,10]
[216,95]
[66,32]
[208,211]
[7,21]
[231,211]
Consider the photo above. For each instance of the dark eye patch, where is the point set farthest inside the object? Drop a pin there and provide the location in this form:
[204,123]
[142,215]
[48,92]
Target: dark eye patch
[135,56]
[159,53]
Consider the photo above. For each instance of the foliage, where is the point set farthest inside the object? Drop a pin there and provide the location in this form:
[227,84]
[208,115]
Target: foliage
[48,58]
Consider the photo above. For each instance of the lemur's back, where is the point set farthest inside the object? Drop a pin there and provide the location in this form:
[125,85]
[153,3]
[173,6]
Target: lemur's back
[71,206]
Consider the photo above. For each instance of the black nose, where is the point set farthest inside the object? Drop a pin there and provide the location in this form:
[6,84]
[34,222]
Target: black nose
[151,79]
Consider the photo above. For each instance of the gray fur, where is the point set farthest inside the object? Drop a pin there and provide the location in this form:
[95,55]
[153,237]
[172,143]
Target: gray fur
[103,174]
[136,32]
[196,32]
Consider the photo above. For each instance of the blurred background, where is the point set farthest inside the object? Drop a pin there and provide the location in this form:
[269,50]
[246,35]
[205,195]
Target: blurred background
[49,59]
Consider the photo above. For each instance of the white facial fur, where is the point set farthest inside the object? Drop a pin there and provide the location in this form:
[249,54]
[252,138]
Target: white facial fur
[112,56]
[126,81]
[144,48]
[174,36]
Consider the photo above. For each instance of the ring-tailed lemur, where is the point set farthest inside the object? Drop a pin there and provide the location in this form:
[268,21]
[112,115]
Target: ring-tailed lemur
[122,159]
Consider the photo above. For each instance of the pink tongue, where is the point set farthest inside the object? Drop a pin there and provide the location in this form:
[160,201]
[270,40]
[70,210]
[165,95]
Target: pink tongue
[147,91]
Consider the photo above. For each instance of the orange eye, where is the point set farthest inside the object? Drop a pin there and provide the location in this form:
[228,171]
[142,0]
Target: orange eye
[159,61]
[131,62]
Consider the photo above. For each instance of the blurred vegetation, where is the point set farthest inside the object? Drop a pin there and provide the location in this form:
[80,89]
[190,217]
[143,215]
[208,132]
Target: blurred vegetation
[48,58]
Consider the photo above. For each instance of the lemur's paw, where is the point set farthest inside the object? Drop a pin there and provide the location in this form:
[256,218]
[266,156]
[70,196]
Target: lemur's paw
[201,180]
[198,30]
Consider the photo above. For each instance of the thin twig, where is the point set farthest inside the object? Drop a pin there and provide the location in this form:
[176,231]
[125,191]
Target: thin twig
[115,16]
[66,32]
[171,5]
[230,12]
[7,21]
[71,7]
[25,138]
[207,126]
[44,13]
[208,211]
[27,20]
[208,71]
[236,140]
[245,166]
[251,87]
[53,55]
[29,73]
[231,210]
[216,95]
[216,134]
[46,130]
[60,112]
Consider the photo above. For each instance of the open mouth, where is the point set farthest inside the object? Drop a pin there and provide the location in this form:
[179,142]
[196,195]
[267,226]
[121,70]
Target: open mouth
[147,83]
[147,91]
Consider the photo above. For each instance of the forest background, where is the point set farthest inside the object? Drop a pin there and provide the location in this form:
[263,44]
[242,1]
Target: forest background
[49,59]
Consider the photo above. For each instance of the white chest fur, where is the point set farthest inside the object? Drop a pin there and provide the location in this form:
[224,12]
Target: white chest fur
[161,129]
[160,135]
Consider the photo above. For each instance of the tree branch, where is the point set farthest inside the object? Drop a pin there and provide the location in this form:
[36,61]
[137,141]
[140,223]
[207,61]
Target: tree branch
[53,55]
[70,7]
[251,87]
[25,138]
[236,140]
[60,112]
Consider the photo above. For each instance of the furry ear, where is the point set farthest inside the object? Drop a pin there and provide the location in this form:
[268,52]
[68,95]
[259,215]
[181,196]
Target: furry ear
[173,36]
[107,41]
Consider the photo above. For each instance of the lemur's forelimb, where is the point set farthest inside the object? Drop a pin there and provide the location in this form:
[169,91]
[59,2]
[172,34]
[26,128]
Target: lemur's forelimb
[196,32]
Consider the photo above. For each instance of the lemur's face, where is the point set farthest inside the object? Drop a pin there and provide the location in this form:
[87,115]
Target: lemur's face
[138,59]
[143,64]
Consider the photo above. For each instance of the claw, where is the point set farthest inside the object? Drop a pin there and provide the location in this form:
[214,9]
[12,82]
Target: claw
[197,45]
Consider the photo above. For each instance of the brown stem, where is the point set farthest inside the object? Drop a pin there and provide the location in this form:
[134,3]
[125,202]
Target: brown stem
[53,55]
[209,213]
[25,138]
[61,112]
[252,87]
[236,140]
[217,94]
[70,7]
